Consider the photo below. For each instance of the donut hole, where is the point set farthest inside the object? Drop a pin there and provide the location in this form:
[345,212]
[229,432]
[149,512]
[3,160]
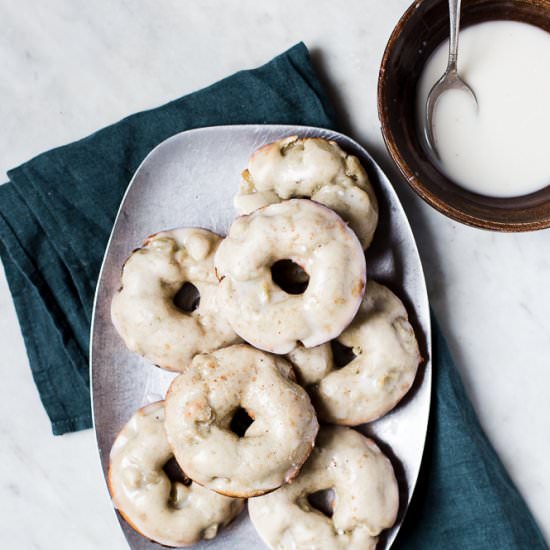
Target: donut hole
[187,298]
[323,501]
[289,276]
[174,472]
[240,422]
[342,355]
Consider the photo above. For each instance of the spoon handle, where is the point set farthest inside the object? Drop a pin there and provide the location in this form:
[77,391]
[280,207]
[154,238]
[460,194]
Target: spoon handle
[454,22]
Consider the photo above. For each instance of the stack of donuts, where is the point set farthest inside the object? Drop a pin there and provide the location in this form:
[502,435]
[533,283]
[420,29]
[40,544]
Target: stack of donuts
[282,345]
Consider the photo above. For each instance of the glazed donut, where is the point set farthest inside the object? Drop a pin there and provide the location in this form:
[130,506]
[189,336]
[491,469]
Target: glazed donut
[314,238]
[366,497]
[143,310]
[312,168]
[203,401]
[170,513]
[385,360]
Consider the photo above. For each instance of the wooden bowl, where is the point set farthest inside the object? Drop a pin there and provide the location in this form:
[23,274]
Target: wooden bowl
[421,29]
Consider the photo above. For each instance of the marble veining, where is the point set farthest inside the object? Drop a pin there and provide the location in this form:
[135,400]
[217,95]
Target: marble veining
[70,67]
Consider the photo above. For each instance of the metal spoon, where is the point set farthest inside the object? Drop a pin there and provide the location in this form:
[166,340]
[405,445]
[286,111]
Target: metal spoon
[451,80]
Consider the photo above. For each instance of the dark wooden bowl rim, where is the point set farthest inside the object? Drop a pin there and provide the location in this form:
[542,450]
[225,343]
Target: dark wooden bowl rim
[525,213]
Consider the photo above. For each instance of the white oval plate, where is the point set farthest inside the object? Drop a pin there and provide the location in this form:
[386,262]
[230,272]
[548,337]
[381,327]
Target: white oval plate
[190,180]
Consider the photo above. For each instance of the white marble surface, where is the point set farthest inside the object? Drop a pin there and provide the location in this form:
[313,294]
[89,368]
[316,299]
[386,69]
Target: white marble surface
[72,66]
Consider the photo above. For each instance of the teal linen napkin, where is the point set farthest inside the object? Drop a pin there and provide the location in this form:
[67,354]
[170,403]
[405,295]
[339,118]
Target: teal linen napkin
[464,499]
[56,214]
[57,211]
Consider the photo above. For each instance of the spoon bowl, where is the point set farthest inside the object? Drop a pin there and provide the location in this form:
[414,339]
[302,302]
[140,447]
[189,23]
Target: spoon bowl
[451,80]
